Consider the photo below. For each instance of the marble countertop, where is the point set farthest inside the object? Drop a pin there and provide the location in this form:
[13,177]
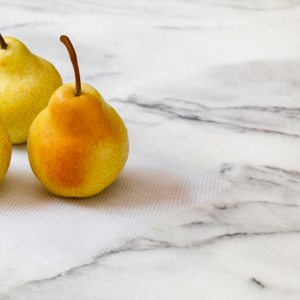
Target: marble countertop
[212,84]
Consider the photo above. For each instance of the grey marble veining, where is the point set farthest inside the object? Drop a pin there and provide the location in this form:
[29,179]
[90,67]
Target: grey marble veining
[213,84]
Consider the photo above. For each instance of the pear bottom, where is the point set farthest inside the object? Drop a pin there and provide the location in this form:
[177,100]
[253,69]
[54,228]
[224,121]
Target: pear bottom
[74,166]
[5,150]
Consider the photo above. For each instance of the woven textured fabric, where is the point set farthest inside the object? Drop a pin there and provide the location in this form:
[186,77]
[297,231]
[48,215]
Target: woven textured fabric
[42,234]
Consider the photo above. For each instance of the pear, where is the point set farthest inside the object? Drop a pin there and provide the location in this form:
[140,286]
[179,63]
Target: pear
[78,144]
[26,85]
[5,149]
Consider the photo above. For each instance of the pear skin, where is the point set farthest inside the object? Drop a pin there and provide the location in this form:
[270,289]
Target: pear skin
[26,85]
[5,150]
[78,145]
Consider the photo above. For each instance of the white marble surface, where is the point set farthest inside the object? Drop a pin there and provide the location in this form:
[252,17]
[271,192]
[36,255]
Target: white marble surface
[213,84]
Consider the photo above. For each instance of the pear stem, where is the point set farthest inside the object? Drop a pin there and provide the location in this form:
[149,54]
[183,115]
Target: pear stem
[3,45]
[66,41]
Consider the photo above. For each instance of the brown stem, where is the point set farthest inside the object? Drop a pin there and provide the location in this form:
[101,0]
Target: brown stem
[3,45]
[66,41]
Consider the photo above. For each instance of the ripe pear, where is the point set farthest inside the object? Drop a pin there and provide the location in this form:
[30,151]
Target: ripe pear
[78,145]
[5,149]
[26,85]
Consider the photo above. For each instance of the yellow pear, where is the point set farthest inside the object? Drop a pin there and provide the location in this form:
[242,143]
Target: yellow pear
[78,145]
[5,149]
[26,85]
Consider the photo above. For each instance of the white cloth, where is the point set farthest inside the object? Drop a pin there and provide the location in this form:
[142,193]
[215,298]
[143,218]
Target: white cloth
[42,234]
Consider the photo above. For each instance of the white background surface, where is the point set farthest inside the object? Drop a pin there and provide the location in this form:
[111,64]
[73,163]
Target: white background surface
[44,235]
[213,84]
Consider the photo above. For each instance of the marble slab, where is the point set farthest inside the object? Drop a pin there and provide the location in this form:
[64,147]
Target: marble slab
[212,84]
